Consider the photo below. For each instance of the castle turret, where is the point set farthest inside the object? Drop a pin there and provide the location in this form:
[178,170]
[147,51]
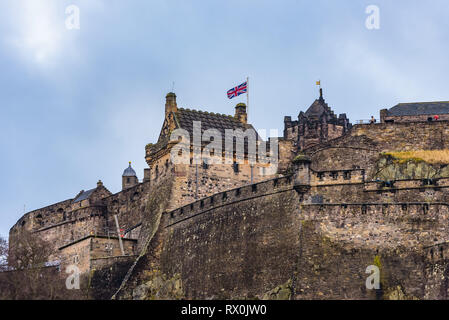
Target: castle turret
[240,113]
[129,178]
[316,125]
[301,166]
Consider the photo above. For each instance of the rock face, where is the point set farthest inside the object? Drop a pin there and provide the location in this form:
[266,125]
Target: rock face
[158,287]
[388,168]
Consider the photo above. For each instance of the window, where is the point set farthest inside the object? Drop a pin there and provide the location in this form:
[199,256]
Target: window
[347,175]
[127,180]
[364,209]
[205,166]
[236,167]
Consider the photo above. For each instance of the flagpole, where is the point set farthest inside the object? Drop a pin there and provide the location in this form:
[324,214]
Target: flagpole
[247,98]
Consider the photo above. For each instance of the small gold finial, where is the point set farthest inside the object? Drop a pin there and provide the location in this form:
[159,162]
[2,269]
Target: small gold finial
[130,163]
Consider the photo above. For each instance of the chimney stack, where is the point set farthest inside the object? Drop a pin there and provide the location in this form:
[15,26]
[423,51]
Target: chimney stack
[240,113]
[170,104]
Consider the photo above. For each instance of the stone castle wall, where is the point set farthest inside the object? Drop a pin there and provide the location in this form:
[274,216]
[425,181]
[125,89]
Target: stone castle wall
[417,118]
[50,215]
[361,145]
[372,191]
[240,244]
[233,239]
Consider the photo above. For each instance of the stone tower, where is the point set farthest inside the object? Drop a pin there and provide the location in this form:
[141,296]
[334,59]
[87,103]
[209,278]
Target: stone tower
[317,125]
[129,178]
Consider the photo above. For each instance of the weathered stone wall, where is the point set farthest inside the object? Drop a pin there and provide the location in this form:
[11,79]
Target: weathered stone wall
[213,179]
[254,240]
[417,118]
[107,275]
[337,177]
[77,254]
[261,240]
[150,239]
[374,192]
[225,244]
[128,205]
[87,221]
[36,219]
[98,249]
[387,169]
[361,146]
[286,154]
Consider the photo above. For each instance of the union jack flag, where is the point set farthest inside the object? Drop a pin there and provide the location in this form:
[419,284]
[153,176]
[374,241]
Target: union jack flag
[241,89]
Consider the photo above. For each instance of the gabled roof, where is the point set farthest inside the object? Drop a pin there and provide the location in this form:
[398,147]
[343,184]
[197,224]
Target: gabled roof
[318,108]
[419,108]
[220,122]
[184,119]
[84,195]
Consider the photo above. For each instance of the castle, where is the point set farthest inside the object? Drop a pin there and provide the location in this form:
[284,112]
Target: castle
[343,197]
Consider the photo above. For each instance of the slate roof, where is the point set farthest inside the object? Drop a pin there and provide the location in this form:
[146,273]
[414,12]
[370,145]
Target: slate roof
[83,196]
[129,172]
[318,107]
[419,108]
[221,122]
[184,119]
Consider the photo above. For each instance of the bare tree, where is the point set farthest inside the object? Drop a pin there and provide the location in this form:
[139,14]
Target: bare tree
[28,275]
[3,254]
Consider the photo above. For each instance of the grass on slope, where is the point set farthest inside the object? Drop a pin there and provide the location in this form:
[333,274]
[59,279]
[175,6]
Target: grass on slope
[429,156]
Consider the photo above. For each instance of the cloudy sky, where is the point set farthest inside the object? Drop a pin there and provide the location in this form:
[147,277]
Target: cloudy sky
[77,105]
